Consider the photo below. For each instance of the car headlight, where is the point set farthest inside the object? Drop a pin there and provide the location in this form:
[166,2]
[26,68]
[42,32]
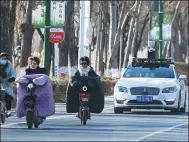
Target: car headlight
[169,89]
[121,89]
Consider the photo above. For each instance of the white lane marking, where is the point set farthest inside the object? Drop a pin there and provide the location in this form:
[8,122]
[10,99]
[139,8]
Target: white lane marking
[48,118]
[17,123]
[161,131]
[11,124]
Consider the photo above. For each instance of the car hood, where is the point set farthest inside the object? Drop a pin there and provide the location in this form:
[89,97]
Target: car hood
[149,82]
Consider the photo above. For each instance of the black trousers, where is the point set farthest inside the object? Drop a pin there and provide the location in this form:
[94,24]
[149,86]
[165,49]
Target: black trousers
[8,100]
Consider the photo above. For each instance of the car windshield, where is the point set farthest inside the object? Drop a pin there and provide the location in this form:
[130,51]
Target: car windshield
[160,72]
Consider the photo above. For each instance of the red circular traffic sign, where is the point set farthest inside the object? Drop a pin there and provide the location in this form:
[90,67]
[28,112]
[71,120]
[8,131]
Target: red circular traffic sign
[56,36]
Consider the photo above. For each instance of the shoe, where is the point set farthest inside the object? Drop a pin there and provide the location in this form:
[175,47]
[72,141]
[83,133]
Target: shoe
[43,118]
[77,115]
[8,113]
[89,116]
[40,120]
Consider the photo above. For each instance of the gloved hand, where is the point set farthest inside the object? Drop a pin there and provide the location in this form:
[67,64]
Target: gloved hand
[12,79]
[75,84]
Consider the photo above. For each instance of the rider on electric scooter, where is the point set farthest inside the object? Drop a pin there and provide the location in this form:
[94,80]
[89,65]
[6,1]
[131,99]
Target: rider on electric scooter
[96,103]
[42,89]
[7,77]
[33,68]
[85,70]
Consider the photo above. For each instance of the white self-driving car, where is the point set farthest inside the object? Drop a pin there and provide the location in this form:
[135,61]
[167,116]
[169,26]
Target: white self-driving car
[150,84]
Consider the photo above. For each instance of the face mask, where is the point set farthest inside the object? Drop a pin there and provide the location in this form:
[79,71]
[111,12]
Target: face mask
[3,62]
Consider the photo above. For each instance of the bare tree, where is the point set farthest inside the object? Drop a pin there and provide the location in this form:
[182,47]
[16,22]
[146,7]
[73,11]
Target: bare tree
[8,14]
[112,60]
[24,29]
[111,63]
[130,35]
[113,24]
[137,16]
[97,49]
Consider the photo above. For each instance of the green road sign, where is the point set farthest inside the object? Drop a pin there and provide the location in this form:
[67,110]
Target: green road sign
[38,16]
[57,15]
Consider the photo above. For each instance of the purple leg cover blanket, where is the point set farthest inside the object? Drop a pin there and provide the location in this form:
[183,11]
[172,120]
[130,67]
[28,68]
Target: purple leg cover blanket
[45,103]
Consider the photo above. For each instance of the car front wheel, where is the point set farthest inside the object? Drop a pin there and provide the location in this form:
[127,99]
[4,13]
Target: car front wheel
[184,108]
[177,110]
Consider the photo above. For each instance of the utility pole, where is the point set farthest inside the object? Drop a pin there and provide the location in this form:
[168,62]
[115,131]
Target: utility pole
[47,58]
[160,28]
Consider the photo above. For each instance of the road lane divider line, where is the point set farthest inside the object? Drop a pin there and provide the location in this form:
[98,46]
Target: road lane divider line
[50,117]
[161,131]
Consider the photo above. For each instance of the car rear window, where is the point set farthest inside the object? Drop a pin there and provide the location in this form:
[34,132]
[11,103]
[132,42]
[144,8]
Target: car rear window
[160,72]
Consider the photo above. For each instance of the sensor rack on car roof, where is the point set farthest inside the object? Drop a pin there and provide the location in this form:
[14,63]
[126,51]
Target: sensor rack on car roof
[151,62]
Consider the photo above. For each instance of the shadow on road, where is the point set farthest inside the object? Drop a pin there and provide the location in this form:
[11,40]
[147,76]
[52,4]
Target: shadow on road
[155,113]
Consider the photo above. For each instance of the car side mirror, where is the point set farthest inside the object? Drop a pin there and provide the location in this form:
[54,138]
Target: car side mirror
[182,77]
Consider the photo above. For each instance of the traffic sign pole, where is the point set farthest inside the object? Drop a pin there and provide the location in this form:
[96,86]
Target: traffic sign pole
[47,58]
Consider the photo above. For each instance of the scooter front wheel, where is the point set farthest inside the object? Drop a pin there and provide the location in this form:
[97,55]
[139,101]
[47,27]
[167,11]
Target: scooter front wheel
[84,117]
[29,119]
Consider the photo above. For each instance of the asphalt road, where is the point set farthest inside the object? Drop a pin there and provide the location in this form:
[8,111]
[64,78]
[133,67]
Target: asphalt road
[138,125]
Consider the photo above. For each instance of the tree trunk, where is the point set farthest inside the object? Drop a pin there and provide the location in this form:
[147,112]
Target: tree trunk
[113,55]
[136,29]
[25,30]
[70,35]
[120,53]
[113,25]
[123,40]
[8,14]
[113,58]
[98,39]
[140,35]
[176,32]
[130,35]
[102,39]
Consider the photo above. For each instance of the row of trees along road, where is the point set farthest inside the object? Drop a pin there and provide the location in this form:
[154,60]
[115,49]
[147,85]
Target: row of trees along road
[119,31]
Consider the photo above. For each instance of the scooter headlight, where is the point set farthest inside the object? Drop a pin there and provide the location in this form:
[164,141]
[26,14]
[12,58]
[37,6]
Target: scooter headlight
[84,88]
[30,86]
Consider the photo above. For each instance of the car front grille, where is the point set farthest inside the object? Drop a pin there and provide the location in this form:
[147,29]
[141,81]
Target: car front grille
[144,91]
[154,102]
